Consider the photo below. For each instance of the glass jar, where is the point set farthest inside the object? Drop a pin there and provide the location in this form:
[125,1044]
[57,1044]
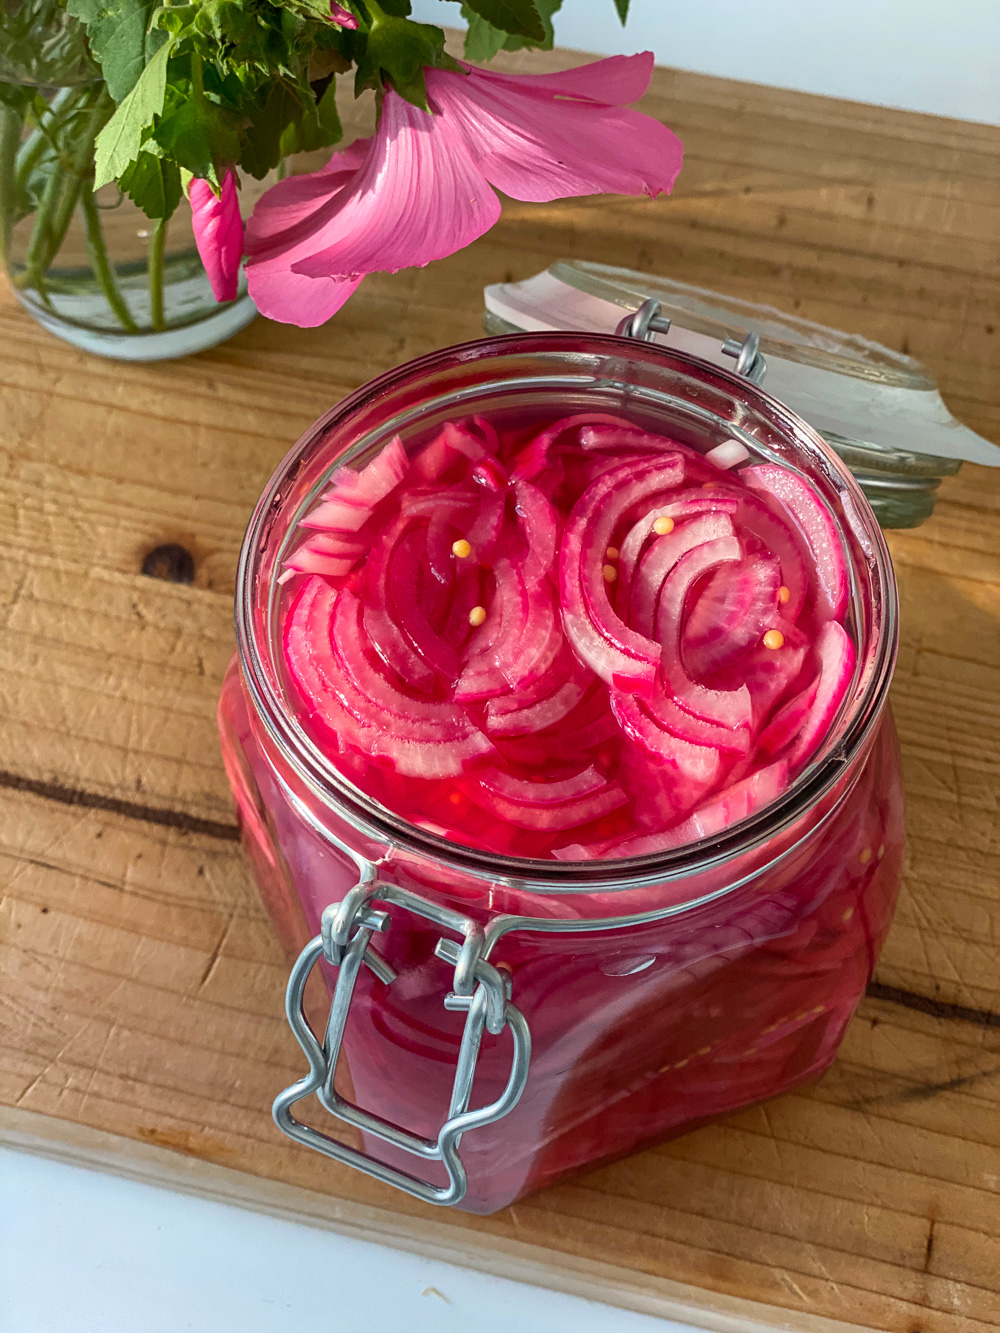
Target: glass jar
[581,1010]
[880,410]
[91,268]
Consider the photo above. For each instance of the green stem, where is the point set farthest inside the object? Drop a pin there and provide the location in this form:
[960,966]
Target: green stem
[59,199]
[10,137]
[30,152]
[157,244]
[100,263]
[39,244]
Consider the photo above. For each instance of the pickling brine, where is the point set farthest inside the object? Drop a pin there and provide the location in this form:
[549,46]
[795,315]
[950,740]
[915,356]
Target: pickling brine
[597,683]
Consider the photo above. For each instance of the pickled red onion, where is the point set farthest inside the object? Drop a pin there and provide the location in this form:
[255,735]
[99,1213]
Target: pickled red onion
[495,640]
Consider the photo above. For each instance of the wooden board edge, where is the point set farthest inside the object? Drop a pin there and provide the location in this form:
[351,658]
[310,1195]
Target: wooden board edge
[95,1149]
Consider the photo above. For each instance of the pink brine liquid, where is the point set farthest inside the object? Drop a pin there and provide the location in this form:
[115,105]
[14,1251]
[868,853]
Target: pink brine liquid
[574,639]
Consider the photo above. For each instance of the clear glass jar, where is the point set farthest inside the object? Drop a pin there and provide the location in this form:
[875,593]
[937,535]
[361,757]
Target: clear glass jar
[582,1009]
[879,409]
[91,268]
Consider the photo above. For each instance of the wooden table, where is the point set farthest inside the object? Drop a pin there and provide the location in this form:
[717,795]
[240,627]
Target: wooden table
[141,986]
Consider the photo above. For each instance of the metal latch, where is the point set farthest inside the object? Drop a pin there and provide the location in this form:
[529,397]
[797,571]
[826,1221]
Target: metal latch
[478,989]
[647,321]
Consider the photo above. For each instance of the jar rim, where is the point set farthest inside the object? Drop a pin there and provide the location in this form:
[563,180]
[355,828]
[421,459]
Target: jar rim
[535,875]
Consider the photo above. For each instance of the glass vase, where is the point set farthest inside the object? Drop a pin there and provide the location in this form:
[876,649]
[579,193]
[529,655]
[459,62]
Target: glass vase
[90,267]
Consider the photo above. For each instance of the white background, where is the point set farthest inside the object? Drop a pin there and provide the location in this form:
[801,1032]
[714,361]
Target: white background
[941,56]
[84,1252]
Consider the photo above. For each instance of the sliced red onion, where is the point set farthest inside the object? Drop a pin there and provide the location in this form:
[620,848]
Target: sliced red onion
[836,657]
[353,495]
[435,744]
[816,524]
[698,763]
[788,721]
[388,640]
[311,558]
[392,575]
[534,457]
[623,439]
[727,454]
[584,783]
[560,804]
[455,443]
[730,708]
[732,612]
[537,716]
[736,803]
[406,649]
[668,714]
[616,653]
[661,557]
[769,675]
[685,506]
[535,511]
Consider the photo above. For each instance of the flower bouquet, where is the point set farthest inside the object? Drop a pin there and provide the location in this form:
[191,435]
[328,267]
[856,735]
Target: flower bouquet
[150,106]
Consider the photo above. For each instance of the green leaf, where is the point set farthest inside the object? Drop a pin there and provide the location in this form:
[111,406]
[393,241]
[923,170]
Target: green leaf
[201,137]
[120,38]
[518,18]
[486,40]
[153,184]
[397,50]
[268,120]
[318,126]
[329,116]
[482,40]
[118,143]
[622,7]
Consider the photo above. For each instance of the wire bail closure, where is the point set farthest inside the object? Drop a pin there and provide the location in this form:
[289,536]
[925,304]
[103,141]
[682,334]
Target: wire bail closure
[478,989]
[647,321]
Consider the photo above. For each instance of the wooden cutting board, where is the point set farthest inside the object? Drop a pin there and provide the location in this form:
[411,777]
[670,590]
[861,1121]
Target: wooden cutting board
[140,984]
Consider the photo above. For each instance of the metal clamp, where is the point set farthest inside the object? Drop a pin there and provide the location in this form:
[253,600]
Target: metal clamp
[647,322]
[478,989]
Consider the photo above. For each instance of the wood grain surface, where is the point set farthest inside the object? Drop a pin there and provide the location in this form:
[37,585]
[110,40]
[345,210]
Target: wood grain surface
[140,983]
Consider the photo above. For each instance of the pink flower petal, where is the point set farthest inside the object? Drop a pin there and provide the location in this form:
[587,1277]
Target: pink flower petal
[281,228]
[296,206]
[342,16]
[290,299]
[615,81]
[543,148]
[218,234]
[419,196]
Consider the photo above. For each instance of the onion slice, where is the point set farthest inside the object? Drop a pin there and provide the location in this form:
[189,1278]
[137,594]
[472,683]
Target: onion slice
[729,708]
[601,639]
[348,503]
[816,524]
[736,607]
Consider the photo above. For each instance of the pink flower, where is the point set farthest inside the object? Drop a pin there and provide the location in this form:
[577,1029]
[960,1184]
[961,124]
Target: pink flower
[421,187]
[218,234]
[342,16]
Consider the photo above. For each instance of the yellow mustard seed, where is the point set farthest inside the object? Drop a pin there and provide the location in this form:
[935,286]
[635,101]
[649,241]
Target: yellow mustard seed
[477,615]
[610,573]
[784,595]
[612,552]
[461,548]
[774,639]
[663,525]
